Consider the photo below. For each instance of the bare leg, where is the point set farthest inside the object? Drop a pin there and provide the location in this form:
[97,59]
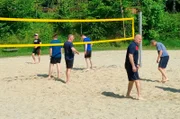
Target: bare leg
[39,58]
[33,56]
[90,62]
[58,69]
[68,71]
[50,70]
[163,72]
[130,86]
[137,83]
[86,63]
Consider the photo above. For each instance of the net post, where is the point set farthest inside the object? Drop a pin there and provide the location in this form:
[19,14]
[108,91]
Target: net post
[133,28]
[140,32]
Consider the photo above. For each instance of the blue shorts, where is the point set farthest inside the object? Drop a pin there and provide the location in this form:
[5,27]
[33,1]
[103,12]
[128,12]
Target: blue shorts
[163,62]
[132,75]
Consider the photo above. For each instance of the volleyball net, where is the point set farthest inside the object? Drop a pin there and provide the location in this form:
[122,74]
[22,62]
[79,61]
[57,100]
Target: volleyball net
[126,27]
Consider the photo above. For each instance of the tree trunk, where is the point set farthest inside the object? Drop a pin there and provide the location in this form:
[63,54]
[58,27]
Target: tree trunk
[174,6]
[122,13]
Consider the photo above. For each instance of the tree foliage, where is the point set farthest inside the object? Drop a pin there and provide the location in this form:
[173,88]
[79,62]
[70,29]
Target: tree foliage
[156,20]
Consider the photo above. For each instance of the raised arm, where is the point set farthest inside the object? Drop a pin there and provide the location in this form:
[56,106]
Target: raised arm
[74,50]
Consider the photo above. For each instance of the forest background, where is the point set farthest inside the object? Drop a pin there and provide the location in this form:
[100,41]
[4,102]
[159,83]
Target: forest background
[161,21]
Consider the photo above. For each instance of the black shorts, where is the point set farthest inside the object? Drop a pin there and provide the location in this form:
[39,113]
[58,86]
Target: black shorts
[88,54]
[132,75]
[163,61]
[36,51]
[55,60]
[69,63]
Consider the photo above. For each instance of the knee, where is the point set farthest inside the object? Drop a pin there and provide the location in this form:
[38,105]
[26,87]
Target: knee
[159,68]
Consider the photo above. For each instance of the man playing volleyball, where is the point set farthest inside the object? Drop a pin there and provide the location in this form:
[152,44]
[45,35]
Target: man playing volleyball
[55,54]
[69,51]
[37,49]
[87,51]
[162,59]
[131,66]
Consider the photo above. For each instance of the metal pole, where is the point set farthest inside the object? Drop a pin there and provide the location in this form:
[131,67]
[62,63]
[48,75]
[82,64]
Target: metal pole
[140,32]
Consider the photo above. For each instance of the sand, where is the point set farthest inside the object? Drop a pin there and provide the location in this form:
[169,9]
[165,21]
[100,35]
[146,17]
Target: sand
[25,92]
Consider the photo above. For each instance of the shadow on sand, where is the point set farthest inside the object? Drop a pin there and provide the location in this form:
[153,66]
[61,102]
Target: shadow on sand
[111,94]
[149,80]
[42,75]
[169,89]
[57,79]
[78,68]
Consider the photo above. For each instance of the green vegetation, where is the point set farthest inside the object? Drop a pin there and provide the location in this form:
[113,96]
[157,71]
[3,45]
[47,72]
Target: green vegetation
[160,22]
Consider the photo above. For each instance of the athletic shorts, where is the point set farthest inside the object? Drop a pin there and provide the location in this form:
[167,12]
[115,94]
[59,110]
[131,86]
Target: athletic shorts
[163,61]
[36,51]
[88,54]
[69,63]
[132,75]
[55,60]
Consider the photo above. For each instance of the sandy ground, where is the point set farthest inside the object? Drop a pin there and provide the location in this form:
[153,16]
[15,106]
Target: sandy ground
[25,93]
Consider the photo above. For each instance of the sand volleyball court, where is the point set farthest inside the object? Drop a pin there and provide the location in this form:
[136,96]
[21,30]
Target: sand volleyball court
[25,93]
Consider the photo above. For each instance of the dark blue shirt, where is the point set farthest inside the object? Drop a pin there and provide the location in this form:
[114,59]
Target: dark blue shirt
[89,48]
[56,50]
[69,55]
[132,49]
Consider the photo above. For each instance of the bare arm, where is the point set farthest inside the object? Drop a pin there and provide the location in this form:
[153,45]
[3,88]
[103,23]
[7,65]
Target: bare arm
[62,50]
[74,50]
[159,55]
[85,50]
[50,52]
[131,59]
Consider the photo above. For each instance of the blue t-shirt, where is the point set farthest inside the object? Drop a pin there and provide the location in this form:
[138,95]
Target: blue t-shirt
[89,48]
[69,54]
[56,50]
[132,49]
[159,47]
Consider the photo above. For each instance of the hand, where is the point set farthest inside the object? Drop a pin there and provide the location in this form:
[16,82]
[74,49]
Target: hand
[85,53]
[134,68]
[138,66]
[158,60]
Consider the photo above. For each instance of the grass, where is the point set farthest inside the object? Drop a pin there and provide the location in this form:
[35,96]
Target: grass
[96,47]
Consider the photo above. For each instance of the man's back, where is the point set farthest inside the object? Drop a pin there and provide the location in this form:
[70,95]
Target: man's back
[56,50]
[89,48]
[69,55]
[159,47]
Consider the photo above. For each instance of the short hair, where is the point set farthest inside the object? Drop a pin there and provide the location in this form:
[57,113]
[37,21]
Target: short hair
[137,36]
[70,35]
[152,41]
[35,34]
[55,35]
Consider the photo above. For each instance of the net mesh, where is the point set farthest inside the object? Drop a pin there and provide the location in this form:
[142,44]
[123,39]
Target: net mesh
[106,34]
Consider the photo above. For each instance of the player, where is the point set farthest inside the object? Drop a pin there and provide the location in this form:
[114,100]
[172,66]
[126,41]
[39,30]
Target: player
[162,59]
[87,51]
[37,49]
[55,54]
[131,66]
[69,51]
